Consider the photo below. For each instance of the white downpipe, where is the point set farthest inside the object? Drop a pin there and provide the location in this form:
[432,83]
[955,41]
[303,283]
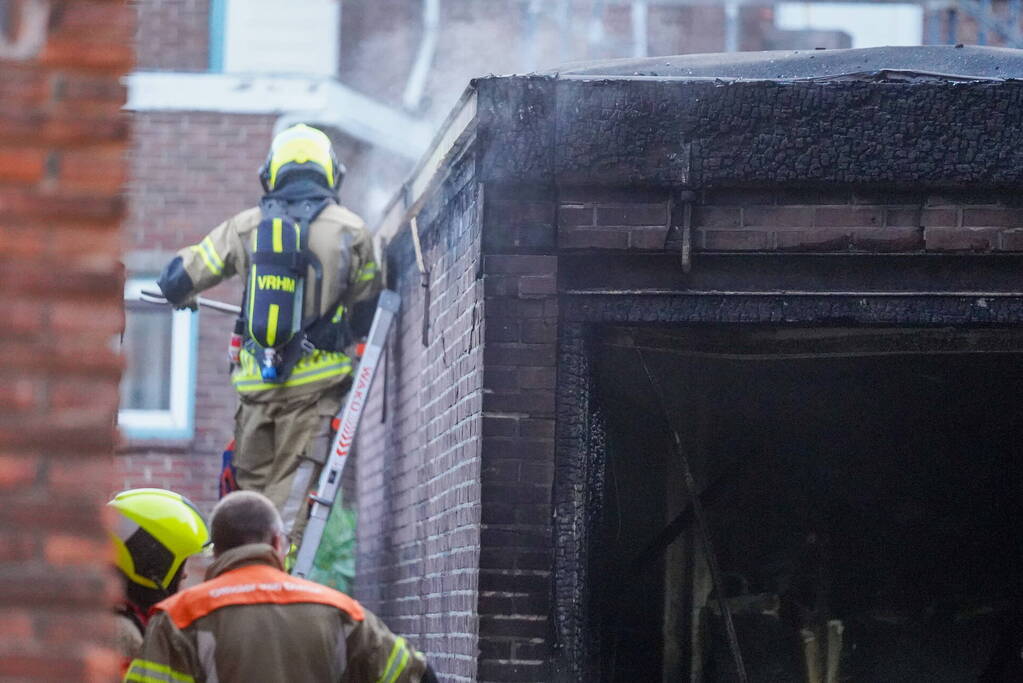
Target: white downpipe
[640,13]
[563,17]
[529,50]
[595,34]
[732,27]
[416,84]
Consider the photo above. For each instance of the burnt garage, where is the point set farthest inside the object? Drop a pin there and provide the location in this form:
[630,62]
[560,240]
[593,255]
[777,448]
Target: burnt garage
[859,495]
[708,370]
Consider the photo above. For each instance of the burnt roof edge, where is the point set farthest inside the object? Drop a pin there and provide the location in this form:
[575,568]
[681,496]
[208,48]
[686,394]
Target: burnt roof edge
[868,75]
[525,118]
[941,60]
[453,137]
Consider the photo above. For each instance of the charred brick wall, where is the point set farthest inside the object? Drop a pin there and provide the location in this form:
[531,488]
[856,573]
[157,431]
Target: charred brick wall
[592,192]
[527,232]
[520,275]
[456,463]
[418,452]
[613,238]
[62,140]
[838,220]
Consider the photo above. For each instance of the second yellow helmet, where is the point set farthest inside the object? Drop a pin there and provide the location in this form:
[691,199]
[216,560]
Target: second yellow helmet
[156,531]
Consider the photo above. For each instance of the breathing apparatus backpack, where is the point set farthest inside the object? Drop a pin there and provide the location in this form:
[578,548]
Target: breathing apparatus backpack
[275,331]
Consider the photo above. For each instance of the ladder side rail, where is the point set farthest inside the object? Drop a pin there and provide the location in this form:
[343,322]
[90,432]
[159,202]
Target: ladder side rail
[325,496]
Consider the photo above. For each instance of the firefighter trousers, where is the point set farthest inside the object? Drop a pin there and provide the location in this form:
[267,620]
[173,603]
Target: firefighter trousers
[280,448]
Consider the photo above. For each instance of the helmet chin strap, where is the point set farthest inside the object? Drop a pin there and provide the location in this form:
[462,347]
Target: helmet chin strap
[163,592]
[166,592]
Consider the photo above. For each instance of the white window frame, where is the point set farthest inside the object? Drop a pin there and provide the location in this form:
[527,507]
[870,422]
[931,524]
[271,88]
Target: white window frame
[179,421]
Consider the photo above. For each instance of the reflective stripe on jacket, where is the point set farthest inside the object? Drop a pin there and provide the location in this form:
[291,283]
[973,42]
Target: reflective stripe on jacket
[315,368]
[343,246]
[254,622]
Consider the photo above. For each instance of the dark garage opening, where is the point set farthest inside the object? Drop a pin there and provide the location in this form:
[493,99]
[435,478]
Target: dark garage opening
[861,481]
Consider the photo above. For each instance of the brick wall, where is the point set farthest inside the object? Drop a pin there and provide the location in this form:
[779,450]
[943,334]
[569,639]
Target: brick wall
[524,229]
[626,230]
[190,171]
[967,31]
[419,471]
[517,473]
[613,219]
[62,137]
[557,214]
[681,30]
[411,464]
[834,220]
[173,35]
[455,544]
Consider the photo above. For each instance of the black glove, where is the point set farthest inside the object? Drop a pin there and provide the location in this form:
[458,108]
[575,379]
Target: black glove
[176,285]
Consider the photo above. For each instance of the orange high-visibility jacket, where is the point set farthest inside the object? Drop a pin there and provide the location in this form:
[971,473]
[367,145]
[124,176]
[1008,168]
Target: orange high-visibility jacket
[253,622]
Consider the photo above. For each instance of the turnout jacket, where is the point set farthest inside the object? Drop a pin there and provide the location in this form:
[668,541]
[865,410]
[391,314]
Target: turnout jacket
[250,622]
[340,241]
[129,634]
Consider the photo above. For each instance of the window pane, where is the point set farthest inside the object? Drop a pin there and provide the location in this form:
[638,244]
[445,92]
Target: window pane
[273,37]
[147,357]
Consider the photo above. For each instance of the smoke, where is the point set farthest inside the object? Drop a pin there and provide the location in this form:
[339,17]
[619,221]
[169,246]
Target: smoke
[386,46]
[387,42]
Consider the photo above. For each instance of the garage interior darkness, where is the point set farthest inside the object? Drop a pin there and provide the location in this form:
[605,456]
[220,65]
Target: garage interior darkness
[863,493]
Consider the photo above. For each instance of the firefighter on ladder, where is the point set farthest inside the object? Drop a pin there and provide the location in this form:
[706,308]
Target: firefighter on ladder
[311,283]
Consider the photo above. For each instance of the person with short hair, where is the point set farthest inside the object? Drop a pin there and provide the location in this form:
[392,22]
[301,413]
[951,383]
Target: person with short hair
[250,621]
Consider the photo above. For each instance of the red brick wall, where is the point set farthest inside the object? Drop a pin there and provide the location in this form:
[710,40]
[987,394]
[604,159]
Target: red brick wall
[378,46]
[62,137]
[190,171]
[173,35]
[380,38]
[967,30]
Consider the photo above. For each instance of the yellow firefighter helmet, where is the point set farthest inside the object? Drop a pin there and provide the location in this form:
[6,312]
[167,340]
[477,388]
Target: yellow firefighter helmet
[300,149]
[155,532]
